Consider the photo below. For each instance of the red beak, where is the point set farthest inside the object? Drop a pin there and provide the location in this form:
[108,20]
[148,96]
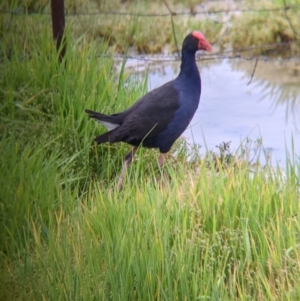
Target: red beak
[203,43]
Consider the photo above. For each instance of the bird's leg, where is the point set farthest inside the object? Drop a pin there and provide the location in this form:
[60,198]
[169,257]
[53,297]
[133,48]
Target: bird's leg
[161,159]
[127,161]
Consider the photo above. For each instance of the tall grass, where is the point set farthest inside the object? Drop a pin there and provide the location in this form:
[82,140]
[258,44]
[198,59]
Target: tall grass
[188,232]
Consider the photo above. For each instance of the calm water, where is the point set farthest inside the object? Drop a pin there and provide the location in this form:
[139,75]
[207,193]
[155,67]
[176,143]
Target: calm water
[233,110]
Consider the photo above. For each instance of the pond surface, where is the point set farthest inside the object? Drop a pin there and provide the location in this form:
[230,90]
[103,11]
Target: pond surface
[233,108]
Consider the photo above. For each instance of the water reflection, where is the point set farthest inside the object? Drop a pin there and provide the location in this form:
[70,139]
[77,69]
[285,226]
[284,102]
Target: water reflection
[279,82]
[231,110]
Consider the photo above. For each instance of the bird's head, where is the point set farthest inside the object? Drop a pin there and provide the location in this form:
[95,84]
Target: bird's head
[196,41]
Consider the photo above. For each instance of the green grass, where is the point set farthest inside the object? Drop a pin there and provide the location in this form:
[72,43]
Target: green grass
[198,230]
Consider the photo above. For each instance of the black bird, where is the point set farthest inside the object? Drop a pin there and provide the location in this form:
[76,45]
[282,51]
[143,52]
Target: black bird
[157,119]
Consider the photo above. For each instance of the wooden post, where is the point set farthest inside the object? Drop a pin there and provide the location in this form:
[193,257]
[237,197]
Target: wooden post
[58,25]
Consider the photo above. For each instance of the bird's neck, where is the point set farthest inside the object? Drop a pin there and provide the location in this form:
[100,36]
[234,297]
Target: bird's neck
[188,65]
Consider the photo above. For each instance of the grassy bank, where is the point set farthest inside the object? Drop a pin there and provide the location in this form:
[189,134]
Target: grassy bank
[147,27]
[192,231]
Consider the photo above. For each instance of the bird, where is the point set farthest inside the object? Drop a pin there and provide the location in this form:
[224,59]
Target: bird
[158,118]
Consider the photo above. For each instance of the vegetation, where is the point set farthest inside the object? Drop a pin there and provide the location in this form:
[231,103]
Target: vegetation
[270,28]
[200,228]
[125,27]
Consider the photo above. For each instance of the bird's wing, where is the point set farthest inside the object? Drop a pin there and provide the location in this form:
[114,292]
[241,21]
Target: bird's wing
[149,116]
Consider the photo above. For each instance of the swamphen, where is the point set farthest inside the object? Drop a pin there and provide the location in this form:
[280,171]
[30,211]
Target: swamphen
[157,119]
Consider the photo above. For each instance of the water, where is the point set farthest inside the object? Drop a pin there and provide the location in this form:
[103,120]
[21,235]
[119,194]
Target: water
[232,109]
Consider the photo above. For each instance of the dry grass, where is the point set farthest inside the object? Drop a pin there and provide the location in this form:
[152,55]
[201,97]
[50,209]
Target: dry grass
[141,34]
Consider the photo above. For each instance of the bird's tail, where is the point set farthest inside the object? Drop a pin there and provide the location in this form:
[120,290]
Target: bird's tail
[96,115]
[109,121]
[106,121]
[103,138]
